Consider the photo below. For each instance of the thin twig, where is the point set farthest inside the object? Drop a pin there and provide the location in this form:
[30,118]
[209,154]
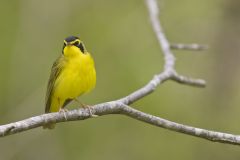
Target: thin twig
[190,47]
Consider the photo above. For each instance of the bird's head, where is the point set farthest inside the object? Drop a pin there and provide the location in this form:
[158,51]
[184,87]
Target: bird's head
[73,46]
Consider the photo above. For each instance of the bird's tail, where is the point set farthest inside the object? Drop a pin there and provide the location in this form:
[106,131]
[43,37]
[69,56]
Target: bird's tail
[52,105]
[49,126]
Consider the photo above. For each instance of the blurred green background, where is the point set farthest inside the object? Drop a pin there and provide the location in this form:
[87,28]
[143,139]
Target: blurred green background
[127,55]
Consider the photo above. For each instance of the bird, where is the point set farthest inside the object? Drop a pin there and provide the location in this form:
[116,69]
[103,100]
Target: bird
[72,74]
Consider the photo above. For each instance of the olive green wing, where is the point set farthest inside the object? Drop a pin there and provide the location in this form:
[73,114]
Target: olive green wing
[55,72]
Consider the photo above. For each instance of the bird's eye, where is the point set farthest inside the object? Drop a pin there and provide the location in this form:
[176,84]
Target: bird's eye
[76,43]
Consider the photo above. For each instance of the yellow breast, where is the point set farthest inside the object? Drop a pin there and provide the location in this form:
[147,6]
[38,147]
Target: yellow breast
[77,77]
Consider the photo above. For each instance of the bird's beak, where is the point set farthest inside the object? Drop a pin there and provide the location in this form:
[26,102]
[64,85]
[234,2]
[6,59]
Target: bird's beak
[68,44]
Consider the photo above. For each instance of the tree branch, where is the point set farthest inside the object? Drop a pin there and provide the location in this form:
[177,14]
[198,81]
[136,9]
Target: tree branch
[121,106]
[116,107]
[190,47]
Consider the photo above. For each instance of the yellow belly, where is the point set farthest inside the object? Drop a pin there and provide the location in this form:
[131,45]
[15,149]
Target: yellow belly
[77,77]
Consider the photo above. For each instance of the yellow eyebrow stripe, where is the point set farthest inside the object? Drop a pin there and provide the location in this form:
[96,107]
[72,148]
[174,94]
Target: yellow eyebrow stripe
[76,40]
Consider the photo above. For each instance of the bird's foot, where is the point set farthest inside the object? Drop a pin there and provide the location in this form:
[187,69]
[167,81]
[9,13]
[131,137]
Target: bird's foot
[88,107]
[63,110]
[90,111]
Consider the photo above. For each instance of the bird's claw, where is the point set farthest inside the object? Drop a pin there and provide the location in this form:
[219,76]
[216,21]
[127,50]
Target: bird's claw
[64,110]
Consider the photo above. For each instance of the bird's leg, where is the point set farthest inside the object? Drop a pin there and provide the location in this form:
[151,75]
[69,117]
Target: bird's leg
[81,104]
[86,106]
